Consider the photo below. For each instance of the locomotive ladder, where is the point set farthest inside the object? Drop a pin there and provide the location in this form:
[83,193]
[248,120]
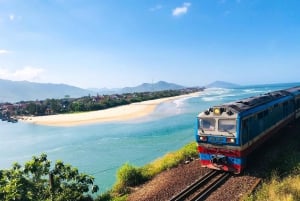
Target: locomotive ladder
[202,187]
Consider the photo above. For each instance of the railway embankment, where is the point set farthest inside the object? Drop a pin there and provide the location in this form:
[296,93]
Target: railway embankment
[273,169]
[278,164]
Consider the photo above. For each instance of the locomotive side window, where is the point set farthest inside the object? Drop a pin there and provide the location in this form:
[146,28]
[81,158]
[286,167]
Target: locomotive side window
[298,103]
[260,115]
[227,125]
[207,124]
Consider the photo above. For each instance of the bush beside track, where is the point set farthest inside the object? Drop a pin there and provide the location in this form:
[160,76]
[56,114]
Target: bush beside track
[282,174]
[129,175]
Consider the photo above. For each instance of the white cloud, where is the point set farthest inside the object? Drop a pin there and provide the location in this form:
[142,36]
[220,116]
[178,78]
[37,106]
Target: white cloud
[4,51]
[11,17]
[181,10]
[155,8]
[28,73]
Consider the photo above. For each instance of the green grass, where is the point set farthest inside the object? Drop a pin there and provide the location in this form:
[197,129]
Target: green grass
[170,160]
[129,175]
[282,182]
[277,189]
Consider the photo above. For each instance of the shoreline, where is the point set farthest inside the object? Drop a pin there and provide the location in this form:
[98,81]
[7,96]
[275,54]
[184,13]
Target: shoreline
[115,114]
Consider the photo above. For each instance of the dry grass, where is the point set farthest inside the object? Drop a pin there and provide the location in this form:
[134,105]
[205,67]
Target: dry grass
[283,181]
[287,189]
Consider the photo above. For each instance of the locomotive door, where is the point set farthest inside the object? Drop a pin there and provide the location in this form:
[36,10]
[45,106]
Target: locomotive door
[245,131]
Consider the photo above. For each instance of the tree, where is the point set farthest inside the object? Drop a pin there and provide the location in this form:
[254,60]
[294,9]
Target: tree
[36,182]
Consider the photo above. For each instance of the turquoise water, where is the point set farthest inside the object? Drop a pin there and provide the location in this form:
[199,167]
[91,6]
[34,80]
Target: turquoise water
[100,149]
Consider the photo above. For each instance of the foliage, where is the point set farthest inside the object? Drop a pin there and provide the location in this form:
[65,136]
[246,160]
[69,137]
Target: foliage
[108,196]
[283,179]
[287,189]
[104,197]
[129,175]
[171,160]
[36,182]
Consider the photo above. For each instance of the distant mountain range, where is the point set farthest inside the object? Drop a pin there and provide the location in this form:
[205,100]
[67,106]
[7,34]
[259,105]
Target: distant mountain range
[222,84]
[159,86]
[15,91]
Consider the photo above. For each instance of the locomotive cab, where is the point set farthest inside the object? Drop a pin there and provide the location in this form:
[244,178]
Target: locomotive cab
[217,132]
[217,126]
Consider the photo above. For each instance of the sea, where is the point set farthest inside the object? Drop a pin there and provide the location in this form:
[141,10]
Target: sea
[101,149]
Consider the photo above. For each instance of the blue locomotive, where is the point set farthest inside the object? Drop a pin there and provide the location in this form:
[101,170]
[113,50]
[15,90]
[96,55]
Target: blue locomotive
[226,134]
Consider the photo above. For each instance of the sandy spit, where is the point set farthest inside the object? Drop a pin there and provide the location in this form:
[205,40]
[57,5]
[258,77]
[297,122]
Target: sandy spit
[120,113]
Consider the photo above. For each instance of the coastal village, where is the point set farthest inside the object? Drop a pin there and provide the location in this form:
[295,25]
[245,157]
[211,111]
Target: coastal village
[11,112]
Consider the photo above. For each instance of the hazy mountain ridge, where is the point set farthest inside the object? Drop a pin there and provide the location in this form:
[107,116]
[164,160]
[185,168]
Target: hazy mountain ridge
[145,87]
[159,86]
[15,91]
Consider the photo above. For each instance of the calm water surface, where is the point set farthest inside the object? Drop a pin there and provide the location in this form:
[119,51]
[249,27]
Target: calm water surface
[100,149]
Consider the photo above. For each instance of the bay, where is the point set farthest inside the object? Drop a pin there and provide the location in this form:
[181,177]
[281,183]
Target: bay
[100,149]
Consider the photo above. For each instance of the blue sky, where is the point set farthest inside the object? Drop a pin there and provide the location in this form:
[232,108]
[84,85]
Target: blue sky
[118,43]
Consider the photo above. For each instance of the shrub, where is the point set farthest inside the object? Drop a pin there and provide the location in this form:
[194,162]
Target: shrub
[170,160]
[31,182]
[129,175]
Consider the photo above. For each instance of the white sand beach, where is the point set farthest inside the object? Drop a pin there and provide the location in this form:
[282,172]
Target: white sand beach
[120,113]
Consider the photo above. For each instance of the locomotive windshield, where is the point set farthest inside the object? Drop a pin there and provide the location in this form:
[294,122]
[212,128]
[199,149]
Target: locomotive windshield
[227,125]
[207,124]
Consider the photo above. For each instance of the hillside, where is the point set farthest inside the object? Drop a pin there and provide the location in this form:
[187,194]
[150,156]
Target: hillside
[13,91]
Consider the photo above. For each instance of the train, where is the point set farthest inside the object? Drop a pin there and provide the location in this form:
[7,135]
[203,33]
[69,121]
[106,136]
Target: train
[227,134]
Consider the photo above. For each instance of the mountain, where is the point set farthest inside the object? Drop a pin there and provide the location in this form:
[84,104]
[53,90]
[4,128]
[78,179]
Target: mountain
[159,86]
[222,84]
[105,91]
[14,91]
[145,87]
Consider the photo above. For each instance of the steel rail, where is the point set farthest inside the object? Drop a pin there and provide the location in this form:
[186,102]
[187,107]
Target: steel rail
[211,187]
[194,186]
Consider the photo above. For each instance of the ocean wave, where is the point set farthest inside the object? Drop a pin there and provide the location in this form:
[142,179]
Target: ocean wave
[209,99]
[180,102]
[56,149]
[253,91]
[107,139]
[216,91]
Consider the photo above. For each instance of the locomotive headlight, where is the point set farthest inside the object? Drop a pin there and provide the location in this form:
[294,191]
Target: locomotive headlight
[217,111]
[230,140]
[203,138]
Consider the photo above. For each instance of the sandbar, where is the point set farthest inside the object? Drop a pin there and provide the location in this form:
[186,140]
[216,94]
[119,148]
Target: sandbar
[120,113]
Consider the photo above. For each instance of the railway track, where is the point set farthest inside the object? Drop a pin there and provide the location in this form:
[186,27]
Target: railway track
[204,186]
